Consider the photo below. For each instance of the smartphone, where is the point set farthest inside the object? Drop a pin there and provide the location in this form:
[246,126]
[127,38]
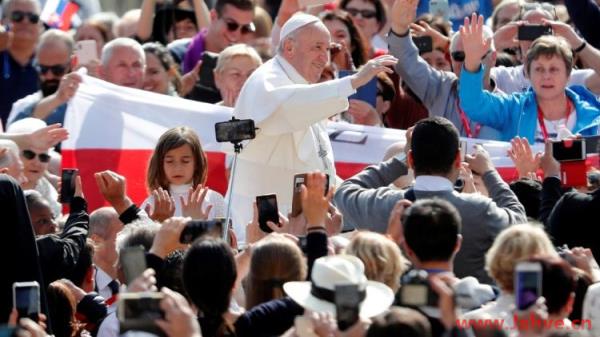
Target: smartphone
[299,180]
[67,187]
[133,262]
[206,75]
[86,51]
[423,43]
[532,32]
[347,305]
[196,228]
[439,8]
[366,93]
[138,311]
[235,131]
[569,150]
[26,299]
[528,284]
[267,211]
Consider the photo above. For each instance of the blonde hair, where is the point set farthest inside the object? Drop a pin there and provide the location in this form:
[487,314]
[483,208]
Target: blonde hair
[513,245]
[234,51]
[381,256]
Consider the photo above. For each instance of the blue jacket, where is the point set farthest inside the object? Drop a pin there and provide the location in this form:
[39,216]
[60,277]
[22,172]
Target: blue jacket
[516,114]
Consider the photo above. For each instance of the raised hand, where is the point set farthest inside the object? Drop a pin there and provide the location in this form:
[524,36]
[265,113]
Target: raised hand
[422,28]
[549,165]
[315,204]
[192,206]
[164,206]
[168,237]
[525,161]
[394,229]
[403,14]
[180,320]
[506,36]
[372,68]
[47,137]
[188,81]
[112,187]
[474,43]
[566,31]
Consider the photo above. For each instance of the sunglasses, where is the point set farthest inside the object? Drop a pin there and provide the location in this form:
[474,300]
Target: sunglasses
[29,155]
[19,16]
[459,56]
[365,13]
[530,6]
[57,69]
[233,26]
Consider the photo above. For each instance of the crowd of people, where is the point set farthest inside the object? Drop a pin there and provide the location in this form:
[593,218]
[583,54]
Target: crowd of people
[429,242]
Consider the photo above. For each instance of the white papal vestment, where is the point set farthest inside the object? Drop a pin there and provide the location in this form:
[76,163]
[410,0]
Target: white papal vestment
[292,138]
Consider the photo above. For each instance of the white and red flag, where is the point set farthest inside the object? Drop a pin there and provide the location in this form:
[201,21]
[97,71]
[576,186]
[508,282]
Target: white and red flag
[116,128]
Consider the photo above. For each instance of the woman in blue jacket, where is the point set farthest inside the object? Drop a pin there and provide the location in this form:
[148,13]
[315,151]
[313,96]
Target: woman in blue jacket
[545,108]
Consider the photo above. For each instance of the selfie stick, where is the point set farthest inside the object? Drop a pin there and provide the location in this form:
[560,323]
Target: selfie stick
[237,148]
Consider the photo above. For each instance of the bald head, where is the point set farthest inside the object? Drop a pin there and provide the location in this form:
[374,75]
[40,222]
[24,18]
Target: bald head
[103,221]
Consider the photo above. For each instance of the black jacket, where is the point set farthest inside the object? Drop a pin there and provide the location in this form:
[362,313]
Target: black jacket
[573,219]
[59,253]
[17,245]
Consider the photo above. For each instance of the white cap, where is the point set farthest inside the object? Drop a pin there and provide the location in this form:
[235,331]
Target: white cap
[297,21]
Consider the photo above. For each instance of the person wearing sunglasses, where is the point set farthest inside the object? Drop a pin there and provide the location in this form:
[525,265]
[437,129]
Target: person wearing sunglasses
[57,84]
[540,113]
[369,16]
[231,23]
[18,77]
[35,163]
[437,89]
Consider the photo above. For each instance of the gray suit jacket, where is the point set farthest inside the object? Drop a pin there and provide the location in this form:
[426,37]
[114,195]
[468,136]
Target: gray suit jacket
[366,201]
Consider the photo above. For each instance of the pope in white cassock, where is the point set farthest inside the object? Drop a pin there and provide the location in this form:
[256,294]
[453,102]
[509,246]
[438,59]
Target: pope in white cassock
[291,109]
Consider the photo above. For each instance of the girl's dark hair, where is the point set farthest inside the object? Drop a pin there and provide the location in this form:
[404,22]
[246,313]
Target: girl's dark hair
[358,48]
[172,139]
[380,12]
[62,307]
[166,61]
[209,274]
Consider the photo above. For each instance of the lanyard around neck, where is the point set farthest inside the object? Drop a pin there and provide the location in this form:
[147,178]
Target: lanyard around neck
[568,107]
[465,122]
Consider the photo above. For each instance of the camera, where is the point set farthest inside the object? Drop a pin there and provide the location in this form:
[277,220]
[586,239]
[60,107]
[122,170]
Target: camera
[569,150]
[532,32]
[423,43]
[138,311]
[416,291]
[235,130]
[197,228]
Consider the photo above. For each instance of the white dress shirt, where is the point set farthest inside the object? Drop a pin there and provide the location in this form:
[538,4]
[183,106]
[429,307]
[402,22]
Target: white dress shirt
[433,183]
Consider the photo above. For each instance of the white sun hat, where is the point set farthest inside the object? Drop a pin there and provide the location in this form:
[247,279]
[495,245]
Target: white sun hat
[331,271]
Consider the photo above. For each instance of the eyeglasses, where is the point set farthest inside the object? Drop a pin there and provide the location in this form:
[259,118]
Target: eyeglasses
[233,26]
[530,6]
[57,69]
[19,16]
[365,13]
[459,56]
[29,155]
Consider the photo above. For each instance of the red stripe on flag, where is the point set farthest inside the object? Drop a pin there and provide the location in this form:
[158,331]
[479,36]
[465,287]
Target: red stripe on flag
[133,165]
[67,15]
